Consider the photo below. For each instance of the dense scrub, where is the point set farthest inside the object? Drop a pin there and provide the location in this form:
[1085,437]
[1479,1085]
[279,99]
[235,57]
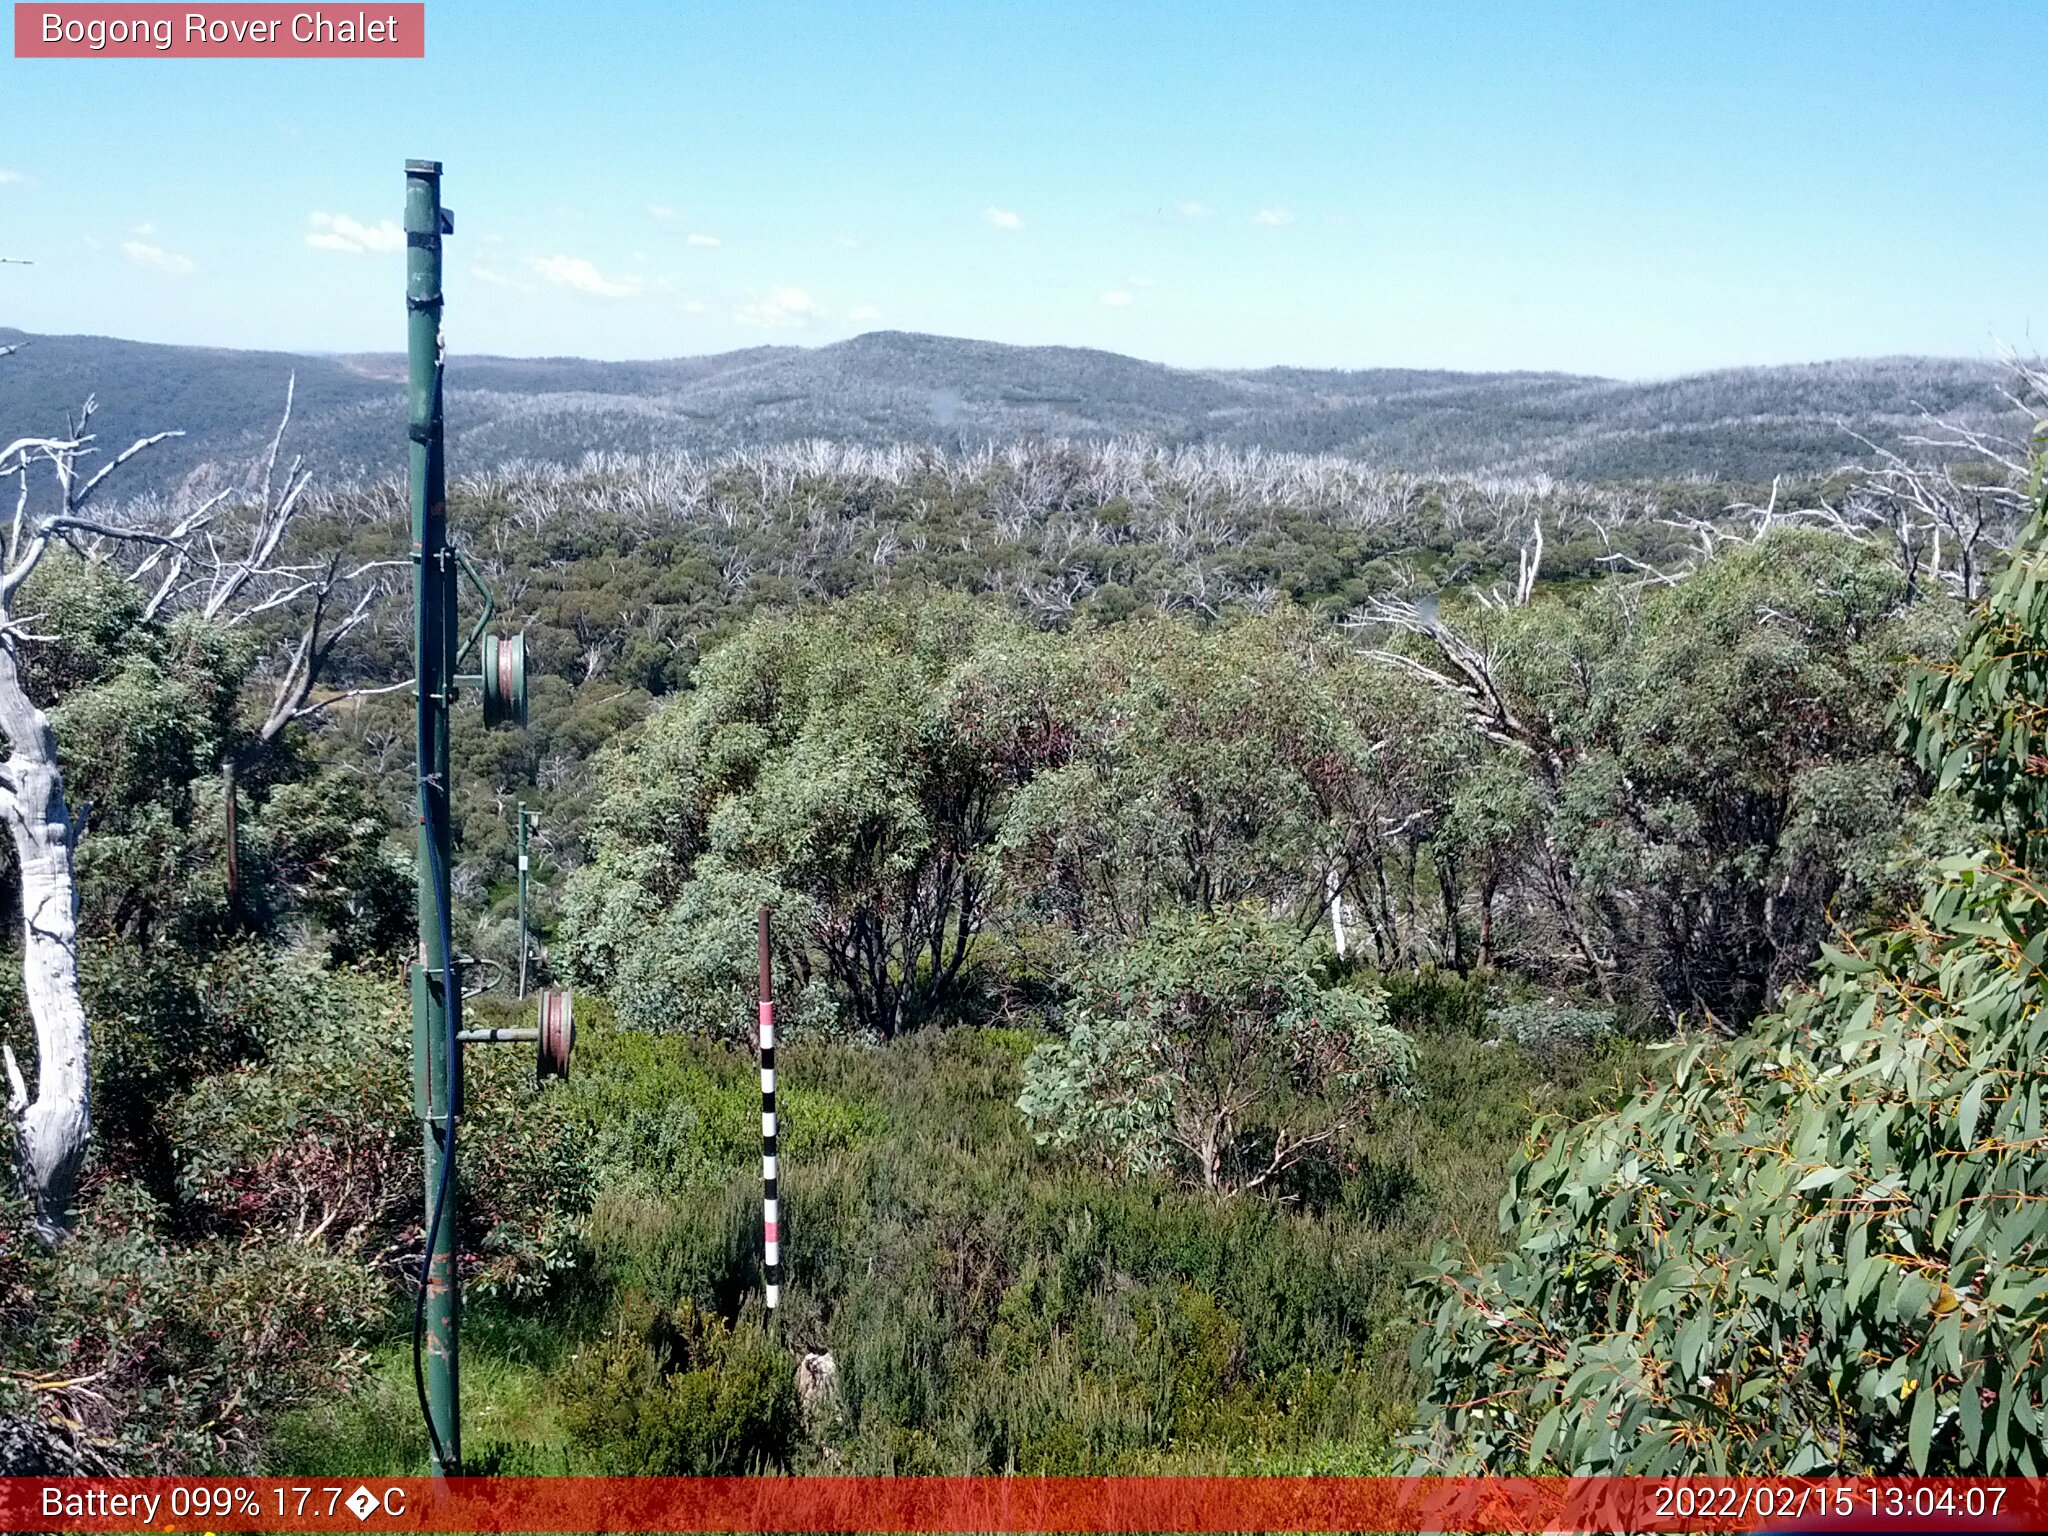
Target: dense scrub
[991,1305]
[247,1219]
[1661,798]
[1817,1250]
[627,571]
[1011,743]
[251,1194]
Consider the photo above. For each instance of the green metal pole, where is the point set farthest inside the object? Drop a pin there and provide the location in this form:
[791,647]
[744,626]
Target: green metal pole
[522,898]
[437,1070]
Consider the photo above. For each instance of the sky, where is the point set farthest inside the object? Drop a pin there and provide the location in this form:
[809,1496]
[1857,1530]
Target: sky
[1635,189]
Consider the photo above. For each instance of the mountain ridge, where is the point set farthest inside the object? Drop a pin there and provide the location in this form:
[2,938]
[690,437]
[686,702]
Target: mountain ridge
[1744,425]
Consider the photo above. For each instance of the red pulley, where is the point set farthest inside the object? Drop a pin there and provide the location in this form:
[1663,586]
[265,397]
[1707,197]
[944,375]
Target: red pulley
[504,680]
[557,1031]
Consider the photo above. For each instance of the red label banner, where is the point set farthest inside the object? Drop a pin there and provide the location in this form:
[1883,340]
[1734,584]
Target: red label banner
[1021,1504]
[238,31]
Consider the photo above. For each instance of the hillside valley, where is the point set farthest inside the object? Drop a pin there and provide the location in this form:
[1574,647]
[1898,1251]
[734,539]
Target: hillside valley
[1740,425]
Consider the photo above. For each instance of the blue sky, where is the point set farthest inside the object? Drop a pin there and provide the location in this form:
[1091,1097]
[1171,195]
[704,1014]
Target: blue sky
[1636,189]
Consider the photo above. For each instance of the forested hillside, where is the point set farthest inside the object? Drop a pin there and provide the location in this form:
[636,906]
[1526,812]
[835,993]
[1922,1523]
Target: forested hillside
[1194,872]
[891,388]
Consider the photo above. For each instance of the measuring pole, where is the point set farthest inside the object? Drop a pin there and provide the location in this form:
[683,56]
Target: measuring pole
[522,898]
[436,990]
[771,1234]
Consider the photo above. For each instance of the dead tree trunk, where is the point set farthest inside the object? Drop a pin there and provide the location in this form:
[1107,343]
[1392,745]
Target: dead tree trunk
[53,1126]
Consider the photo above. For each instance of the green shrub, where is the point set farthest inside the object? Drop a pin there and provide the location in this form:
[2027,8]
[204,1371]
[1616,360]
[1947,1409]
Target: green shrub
[674,1112]
[1551,1026]
[317,1139]
[1440,1002]
[1812,1251]
[1210,1049]
[174,1354]
[1817,1250]
[681,1393]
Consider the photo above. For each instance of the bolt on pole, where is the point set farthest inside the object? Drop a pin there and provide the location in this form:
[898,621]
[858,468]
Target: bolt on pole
[436,992]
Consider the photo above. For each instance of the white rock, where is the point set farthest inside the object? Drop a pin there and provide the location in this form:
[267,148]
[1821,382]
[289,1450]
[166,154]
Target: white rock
[815,1378]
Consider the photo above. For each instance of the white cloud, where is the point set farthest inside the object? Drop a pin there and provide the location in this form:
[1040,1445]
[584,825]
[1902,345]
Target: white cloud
[671,218]
[783,309]
[339,232]
[1273,217]
[143,231]
[154,258]
[864,312]
[575,273]
[490,277]
[1194,210]
[1001,218]
[1117,298]
[694,307]
[847,243]
[15,178]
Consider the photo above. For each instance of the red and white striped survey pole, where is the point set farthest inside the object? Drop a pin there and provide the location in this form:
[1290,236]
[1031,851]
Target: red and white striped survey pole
[771,1237]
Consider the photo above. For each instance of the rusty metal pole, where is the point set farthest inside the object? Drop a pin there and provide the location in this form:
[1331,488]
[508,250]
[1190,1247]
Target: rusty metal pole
[436,990]
[771,1224]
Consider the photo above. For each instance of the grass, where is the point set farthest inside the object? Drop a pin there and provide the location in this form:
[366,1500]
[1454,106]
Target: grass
[511,1419]
[991,1306]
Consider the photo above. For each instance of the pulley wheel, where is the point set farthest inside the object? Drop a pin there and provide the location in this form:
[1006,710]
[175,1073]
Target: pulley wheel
[557,1031]
[504,666]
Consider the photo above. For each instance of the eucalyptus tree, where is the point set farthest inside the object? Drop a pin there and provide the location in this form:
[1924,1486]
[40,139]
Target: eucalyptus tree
[1817,1249]
[190,559]
[52,1124]
[1711,765]
[1250,761]
[1212,1051]
[848,767]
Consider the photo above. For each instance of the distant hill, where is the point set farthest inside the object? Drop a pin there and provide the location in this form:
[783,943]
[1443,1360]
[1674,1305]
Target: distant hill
[1743,424]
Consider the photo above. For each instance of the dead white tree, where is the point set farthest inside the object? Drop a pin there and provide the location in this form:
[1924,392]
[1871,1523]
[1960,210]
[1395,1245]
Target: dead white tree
[226,562]
[1473,675]
[52,1124]
[1948,511]
[1529,563]
[1469,670]
[188,566]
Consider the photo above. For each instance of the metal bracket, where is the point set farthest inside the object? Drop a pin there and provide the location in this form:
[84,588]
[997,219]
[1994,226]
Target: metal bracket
[483,588]
[430,1097]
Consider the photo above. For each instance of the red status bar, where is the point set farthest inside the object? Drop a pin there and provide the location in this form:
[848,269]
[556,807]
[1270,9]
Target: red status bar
[1005,1504]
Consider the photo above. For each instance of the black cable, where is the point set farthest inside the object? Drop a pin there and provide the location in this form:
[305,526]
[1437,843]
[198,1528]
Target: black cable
[451,1002]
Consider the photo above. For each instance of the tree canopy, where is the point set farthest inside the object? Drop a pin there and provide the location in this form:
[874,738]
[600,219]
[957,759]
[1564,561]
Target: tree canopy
[1817,1249]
